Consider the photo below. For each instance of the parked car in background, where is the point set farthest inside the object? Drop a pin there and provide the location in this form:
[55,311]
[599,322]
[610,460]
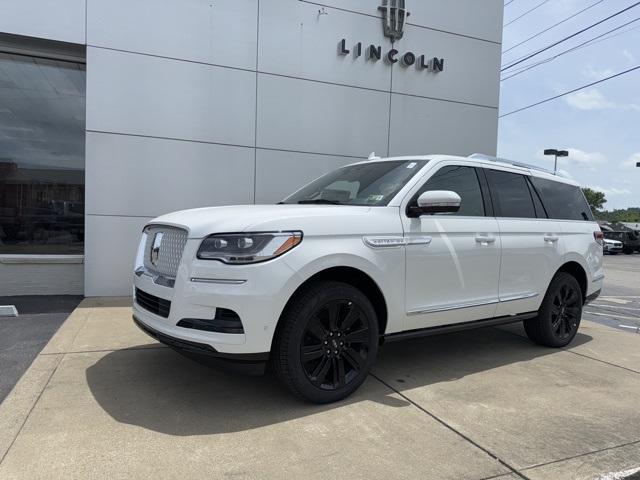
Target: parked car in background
[373,252]
[612,246]
[630,238]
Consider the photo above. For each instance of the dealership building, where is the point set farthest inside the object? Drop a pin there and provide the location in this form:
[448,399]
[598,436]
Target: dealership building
[115,112]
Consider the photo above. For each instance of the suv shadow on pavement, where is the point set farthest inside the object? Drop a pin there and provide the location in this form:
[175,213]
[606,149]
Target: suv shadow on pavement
[158,389]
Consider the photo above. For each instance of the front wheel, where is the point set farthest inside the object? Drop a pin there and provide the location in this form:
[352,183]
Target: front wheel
[559,315]
[327,342]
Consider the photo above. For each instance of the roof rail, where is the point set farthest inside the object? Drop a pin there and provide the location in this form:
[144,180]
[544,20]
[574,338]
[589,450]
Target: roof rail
[482,156]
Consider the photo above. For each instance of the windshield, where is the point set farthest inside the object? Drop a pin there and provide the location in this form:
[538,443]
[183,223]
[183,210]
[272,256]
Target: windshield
[614,235]
[373,183]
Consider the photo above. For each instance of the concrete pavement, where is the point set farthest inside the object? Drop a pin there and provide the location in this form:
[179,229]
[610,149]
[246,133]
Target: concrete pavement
[102,400]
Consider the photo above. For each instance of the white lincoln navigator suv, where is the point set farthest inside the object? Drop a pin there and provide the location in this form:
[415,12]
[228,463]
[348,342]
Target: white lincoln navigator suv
[373,252]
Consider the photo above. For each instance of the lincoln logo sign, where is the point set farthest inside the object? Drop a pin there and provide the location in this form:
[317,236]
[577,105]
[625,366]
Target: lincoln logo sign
[394,15]
[155,248]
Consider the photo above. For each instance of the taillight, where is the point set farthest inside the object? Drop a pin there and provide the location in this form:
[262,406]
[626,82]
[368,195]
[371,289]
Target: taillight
[599,237]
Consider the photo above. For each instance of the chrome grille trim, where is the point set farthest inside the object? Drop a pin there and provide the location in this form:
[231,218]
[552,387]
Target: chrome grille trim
[174,240]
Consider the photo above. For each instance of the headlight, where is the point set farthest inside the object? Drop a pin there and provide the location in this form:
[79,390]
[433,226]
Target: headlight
[243,248]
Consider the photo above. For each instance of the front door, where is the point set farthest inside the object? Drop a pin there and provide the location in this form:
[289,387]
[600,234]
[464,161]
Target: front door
[452,259]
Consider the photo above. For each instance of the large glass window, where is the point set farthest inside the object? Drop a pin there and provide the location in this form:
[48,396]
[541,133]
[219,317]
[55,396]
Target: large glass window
[562,200]
[462,180]
[511,194]
[42,134]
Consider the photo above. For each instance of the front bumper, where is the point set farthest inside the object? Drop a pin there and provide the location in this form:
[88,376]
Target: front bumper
[248,363]
[257,293]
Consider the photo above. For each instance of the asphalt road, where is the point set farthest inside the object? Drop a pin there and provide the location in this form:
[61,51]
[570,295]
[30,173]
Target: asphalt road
[22,337]
[619,304]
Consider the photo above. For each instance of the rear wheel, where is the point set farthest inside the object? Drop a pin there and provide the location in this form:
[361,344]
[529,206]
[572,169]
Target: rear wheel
[327,342]
[559,315]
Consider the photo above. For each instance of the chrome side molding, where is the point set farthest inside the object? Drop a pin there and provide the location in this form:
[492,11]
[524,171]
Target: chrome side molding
[479,303]
[394,241]
[456,306]
[222,281]
[384,241]
[518,296]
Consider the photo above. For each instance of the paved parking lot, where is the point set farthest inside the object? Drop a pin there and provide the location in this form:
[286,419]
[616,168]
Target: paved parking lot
[22,337]
[102,400]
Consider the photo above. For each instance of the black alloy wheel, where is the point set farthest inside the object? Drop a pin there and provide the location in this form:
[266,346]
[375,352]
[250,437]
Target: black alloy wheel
[565,311]
[326,342]
[335,344]
[559,315]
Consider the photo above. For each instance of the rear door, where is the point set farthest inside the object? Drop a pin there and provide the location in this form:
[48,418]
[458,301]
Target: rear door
[532,245]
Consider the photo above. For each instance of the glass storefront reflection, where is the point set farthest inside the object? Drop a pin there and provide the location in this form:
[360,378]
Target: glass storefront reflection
[42,136]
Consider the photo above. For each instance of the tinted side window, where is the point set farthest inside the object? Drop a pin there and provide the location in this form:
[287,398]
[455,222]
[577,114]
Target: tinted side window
[510,194]
[463,181]
[537,203]
[561,200]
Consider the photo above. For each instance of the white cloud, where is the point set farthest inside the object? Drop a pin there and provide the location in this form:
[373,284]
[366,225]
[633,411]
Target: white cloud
[593,99]
[611,190]
[590,99]
[629,56]
[590,72]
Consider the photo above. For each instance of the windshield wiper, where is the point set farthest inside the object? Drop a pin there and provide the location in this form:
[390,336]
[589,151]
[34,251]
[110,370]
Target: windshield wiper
[321,201]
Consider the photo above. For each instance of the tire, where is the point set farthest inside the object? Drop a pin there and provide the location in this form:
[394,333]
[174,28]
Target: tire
[309,355]
[559,315]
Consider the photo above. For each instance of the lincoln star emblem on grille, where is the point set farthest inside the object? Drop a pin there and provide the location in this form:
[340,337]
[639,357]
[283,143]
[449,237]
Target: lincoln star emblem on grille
[394,14]
[155,248]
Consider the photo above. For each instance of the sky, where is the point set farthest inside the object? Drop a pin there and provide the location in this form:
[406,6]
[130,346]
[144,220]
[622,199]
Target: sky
[600,125]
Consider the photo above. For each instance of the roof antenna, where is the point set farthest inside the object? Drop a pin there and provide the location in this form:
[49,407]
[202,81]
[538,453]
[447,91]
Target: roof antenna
[372,156]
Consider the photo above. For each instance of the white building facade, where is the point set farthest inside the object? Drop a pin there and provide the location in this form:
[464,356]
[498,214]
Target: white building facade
[191,103]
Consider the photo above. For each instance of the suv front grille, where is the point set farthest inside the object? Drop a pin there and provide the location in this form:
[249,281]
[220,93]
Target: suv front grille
[156,305]
[170,243]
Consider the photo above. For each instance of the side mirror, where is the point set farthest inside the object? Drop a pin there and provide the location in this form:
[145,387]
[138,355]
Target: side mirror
[437,201]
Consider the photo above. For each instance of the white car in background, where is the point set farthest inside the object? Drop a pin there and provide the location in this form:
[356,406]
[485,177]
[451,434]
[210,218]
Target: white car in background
[370,253]
[612,246]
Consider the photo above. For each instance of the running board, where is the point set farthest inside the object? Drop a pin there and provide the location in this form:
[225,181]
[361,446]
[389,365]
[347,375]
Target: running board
[457,327]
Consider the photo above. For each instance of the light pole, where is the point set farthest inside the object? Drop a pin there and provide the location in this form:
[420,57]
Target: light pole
[556,153]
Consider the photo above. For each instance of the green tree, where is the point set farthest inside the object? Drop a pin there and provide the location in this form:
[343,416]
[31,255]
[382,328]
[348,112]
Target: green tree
[595,199]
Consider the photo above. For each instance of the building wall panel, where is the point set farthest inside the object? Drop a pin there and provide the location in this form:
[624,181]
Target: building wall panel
[315,117]
[140,176]
[49,19]
[222,32]
[441,127]
[296,41]
[143,95]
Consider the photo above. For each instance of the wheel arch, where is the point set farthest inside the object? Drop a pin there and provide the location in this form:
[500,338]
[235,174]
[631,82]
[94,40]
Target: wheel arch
[352,276]
[576,270]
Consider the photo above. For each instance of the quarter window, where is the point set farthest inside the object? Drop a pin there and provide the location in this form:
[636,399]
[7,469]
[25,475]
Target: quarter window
[462,180]
[511,194]
[561,200]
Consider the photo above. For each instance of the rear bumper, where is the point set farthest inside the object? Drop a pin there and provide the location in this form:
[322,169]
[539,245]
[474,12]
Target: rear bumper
[247,363]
